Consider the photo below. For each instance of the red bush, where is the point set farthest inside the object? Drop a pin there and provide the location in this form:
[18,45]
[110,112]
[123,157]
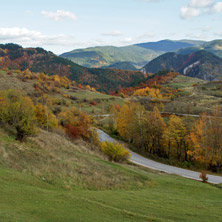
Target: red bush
[73,131]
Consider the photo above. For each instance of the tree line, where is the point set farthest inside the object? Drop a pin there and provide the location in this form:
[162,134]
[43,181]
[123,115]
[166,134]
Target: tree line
[197,142]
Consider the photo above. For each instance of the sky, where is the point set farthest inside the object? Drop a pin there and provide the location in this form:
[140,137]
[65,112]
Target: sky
[64,25]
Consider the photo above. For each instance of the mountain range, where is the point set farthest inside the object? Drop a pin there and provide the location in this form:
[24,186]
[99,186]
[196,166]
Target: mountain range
[192,58]
[138,54]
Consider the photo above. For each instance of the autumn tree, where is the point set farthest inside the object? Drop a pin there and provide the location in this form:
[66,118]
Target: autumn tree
[18,111]
[143,129]
[154,130]
[77,122]
[207,141]
[176,138]
[129,121]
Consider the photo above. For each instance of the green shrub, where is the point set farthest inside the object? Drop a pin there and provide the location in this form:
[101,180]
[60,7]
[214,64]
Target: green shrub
[116,152]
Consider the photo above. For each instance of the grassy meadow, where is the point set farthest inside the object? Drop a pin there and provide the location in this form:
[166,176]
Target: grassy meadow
[48,178]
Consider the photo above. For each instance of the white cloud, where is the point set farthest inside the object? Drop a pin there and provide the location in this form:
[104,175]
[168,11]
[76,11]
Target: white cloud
[218,7]
[27,37]
[16,32]
[113,33]
[199,7]
[59,15]
[188,12]
[30,38]
[201,3]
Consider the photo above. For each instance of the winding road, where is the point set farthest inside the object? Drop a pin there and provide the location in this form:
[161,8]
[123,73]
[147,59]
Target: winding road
[142,161]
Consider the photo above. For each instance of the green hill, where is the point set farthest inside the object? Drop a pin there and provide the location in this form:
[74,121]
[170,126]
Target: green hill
[107,55]
[138,54]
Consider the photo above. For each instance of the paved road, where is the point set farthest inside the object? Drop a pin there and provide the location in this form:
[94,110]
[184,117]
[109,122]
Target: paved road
[142,161]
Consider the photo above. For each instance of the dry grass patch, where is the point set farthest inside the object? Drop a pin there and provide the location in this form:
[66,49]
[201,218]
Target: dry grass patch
[57,160]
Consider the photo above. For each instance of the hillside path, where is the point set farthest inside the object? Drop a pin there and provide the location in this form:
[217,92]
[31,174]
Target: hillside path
[142,161]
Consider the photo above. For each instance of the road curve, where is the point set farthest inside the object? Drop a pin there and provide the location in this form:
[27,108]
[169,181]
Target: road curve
[142,161]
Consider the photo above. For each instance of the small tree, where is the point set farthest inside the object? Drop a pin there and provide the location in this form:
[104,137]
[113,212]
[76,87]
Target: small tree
[46,119]
[203,177]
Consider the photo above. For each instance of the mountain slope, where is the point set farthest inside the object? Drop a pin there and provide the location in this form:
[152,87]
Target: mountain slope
[39,60]
[107,55]
[122,65]
[201,64]
[138,54]
[214,47]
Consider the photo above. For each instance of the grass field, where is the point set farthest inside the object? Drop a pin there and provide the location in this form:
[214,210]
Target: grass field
[198,96]
[86,97]
[54,180]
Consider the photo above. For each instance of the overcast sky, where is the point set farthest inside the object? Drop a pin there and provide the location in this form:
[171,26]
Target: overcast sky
[63,25]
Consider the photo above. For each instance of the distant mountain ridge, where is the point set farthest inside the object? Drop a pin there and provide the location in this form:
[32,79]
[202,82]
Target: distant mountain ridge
[167,45]
[201,64]
[137,54]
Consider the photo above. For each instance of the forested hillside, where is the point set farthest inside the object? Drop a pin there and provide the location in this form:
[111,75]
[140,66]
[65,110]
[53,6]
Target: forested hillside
[39,60]
[201,64]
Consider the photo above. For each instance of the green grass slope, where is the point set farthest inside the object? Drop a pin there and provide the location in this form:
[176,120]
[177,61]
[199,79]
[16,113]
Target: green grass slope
[50,179]
[196,96]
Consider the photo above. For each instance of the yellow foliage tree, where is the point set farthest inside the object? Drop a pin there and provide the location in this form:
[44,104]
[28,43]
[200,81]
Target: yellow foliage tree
[45,117]
[18,111]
